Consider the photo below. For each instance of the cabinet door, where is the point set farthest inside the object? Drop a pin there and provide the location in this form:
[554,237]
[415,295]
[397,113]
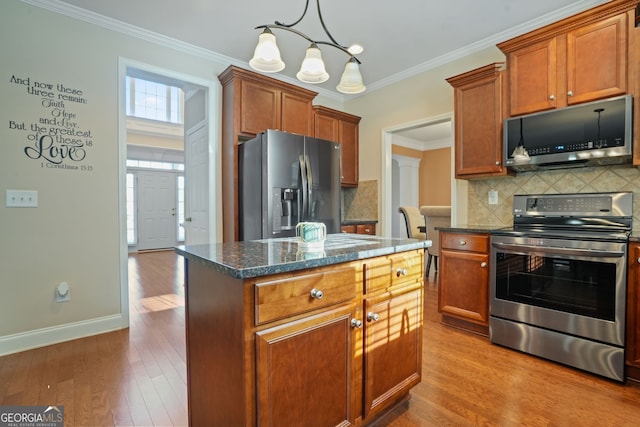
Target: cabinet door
[597,60]
[393,355]
[304,372]
[464,285]
[532,78]
[633,313]
[296,116]
[326,127]
[478,127]
[259,108]
[348,132]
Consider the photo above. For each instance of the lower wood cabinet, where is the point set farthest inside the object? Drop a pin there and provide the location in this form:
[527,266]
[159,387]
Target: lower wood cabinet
[632,350]
[365,228]
[463,297]
[329,346]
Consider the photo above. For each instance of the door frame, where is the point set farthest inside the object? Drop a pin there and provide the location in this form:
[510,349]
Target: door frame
[215,208]
[459,188]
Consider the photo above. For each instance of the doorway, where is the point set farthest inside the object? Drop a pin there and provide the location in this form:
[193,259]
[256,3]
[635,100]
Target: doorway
[200,104]
[434,132]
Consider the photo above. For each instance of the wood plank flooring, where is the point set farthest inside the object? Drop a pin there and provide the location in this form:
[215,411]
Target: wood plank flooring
[137,376]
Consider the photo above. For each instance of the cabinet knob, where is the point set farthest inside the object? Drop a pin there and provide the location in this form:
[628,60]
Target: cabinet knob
[401,272]
[372,316]
[638,260]
[552,97]
[570,93]
[463,243]
[316,293]
[483,264]
[356,323]
[497,163]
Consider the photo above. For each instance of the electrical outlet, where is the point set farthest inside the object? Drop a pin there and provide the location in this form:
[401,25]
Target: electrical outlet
[63,293]
[22,199]
[493,197]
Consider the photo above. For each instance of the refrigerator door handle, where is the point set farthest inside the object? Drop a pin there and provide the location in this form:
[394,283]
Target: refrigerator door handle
[310,208]
[303,192]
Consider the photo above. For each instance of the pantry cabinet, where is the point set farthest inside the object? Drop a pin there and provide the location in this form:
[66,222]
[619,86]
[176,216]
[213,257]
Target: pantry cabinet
[632,352]
[478,112]
[252,103]
[579,59]
[463,296]
[337,126]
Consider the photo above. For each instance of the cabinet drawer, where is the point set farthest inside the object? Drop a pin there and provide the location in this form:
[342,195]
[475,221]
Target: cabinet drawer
[289,296]
[349,229]
[465,242]
[394,270]
[366,229]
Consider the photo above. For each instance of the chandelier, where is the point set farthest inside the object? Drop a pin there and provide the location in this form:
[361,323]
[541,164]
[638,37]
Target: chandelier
[266,57]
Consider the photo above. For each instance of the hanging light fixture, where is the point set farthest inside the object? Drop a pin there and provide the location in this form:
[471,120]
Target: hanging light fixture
[266,57]
[520,153]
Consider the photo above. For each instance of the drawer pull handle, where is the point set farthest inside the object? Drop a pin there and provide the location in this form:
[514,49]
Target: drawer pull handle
[483,264]
[401,272]
[463,242]
[372,316]
[356,323]
[316,293]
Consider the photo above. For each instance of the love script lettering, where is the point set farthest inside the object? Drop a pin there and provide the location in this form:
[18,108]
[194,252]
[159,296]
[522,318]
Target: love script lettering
[56,154]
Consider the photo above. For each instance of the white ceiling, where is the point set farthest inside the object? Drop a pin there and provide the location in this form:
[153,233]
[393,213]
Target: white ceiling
[400,38]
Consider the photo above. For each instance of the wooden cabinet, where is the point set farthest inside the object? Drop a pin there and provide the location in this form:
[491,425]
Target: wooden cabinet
[463,297]
[392,329]
[305,372]
[365,228]
[579,59]
[252,103]
[340,127]
[329,346]
[479,111]
[632,350]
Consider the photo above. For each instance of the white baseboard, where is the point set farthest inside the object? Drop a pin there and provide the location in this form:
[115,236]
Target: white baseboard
[56,334]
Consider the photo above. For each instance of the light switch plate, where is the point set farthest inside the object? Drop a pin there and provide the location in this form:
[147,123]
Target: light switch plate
[493,197]
[22,199]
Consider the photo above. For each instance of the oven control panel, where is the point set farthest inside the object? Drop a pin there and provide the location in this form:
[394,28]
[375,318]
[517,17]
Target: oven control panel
[587,204]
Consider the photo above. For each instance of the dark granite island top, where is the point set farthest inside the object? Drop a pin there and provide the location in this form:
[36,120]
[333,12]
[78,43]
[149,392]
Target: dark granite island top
[257,258]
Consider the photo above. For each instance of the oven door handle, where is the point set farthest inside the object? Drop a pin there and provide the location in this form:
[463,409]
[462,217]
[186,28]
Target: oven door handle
[562,251]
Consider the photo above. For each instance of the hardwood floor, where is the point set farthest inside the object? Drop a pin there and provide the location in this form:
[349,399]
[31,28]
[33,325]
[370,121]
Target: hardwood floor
[138,376]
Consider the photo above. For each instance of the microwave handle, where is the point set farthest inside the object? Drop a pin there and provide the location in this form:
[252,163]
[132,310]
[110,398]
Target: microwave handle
[562,251]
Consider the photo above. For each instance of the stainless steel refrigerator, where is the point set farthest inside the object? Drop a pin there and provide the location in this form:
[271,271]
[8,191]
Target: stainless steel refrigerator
[285,179]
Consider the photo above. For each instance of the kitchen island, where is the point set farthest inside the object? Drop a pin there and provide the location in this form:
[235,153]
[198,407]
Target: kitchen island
[277,335]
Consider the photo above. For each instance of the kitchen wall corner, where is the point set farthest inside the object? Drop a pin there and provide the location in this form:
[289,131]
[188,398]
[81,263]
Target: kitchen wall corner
[361,202]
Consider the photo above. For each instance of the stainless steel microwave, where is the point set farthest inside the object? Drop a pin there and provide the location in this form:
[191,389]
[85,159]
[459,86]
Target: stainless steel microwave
[590,134]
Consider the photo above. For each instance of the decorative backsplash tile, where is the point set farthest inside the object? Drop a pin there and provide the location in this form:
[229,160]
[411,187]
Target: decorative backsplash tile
[577,180]
[360,202]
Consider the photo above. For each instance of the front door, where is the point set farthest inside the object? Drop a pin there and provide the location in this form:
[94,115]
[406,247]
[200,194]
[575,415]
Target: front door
[156,210]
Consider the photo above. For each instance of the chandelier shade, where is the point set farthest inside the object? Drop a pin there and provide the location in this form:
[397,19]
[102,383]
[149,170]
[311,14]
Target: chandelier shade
[266,56]
[351,80]
[312,69]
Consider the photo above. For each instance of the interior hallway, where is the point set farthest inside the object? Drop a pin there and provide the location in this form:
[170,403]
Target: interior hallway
[138,376]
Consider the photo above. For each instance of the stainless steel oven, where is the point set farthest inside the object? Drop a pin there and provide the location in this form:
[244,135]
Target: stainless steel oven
[558,279]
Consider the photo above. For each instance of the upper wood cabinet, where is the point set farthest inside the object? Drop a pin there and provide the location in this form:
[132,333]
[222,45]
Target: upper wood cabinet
[582,58]
[337,126]
[252,103]
[479,111]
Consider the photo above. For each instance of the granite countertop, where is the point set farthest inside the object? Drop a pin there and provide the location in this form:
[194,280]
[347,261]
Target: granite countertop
[257,258]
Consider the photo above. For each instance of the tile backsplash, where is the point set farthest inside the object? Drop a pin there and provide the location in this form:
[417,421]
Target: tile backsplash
[360,202]
[577,180]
